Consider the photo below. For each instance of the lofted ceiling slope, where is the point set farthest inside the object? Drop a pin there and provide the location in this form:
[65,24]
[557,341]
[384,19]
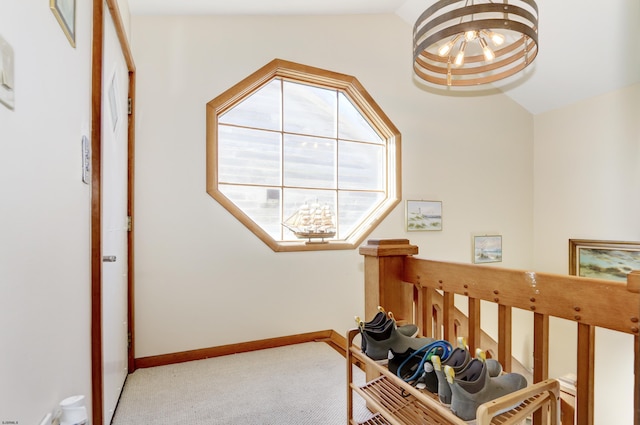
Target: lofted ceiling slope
[587,48]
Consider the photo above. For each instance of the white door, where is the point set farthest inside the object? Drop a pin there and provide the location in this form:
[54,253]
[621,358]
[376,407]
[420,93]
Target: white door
[115,86]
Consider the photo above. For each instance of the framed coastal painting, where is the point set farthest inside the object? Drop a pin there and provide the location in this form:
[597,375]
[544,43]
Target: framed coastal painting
[65,13]
[611,260]
[423,216]
[486,249]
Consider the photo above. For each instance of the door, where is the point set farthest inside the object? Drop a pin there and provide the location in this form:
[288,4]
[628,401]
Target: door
[114,183]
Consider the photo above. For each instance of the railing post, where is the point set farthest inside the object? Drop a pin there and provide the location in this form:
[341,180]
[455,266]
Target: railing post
[633,285]
[424,309]
[541,355]
[473,326]
[584,384]
[383,284]
[504,336]
[448,316]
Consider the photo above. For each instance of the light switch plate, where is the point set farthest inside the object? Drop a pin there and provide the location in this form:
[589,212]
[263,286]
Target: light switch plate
[7,77]
[86,160]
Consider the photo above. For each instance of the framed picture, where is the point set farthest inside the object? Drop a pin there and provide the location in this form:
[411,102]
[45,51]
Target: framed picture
[487,249]
[423,216]
[611,260]
[65,13]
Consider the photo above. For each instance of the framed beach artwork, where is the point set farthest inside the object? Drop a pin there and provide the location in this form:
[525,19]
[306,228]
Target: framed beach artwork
[423,216]
[611,260]
[486,248]
[65,13]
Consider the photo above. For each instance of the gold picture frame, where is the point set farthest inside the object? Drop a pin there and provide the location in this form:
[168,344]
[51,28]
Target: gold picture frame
[65,13]
[611,260]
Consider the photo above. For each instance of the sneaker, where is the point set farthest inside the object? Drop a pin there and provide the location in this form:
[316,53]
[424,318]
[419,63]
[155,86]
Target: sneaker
[473,386]
[377,343]
[458,361]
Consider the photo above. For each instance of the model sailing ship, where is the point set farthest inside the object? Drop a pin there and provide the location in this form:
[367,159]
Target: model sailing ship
[312,222]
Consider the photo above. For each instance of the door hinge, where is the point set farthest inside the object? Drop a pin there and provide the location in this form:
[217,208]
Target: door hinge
[129,340]
[128,223]
[129,106]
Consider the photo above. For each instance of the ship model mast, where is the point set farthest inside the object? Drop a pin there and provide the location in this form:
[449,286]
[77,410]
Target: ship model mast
[312,222]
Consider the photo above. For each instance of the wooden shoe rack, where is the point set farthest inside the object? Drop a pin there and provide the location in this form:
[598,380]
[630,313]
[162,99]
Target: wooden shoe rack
[395,402]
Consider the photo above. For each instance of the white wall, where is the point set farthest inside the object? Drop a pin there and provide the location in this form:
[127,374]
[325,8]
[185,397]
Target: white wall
[202,278]
[44,215]
[587,186]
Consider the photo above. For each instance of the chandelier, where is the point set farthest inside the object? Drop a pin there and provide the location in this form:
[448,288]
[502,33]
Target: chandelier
[467,42]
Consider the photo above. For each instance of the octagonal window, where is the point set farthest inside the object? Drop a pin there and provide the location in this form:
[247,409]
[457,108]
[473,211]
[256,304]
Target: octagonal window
[303,157]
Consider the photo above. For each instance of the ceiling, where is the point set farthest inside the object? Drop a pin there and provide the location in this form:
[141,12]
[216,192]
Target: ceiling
[586,47]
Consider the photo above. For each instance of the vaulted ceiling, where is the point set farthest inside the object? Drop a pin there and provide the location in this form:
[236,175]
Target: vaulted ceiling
[586,48]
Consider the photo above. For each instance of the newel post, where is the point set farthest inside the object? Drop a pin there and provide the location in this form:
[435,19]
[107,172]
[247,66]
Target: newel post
[383,272]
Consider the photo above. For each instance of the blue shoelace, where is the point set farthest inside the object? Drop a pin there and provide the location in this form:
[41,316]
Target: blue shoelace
[441,348]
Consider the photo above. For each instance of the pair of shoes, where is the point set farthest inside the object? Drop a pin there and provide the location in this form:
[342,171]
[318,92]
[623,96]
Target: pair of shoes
[474,386]
[378,323]
[377,343]
[415,366]
[458,361]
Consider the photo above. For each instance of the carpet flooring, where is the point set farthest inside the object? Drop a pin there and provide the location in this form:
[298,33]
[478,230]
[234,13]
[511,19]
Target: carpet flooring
[296,384]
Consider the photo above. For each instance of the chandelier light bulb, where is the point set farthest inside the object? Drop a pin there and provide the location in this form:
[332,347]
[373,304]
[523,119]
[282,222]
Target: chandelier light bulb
[470,35]
[446,48]
[460,56]
[488,53]
[497,39]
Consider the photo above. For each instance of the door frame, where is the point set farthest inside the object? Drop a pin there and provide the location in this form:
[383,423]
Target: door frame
[97,378]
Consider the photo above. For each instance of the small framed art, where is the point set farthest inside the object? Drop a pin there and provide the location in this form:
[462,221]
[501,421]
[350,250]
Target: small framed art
[65,13]
[486,249]
[423,216]
[611,260]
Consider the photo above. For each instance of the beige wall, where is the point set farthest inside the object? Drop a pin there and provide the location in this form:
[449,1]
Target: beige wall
[202,279]
[45,282]
[587,186]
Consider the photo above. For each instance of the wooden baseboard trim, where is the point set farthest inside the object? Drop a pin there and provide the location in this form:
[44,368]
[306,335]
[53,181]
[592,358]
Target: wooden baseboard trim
[338,342]
[333,338]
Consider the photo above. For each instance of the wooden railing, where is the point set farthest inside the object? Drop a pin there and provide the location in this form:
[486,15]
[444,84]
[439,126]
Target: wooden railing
[407,286]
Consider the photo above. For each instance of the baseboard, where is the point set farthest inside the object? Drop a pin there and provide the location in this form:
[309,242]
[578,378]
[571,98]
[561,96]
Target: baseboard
[338,342]
[331,337]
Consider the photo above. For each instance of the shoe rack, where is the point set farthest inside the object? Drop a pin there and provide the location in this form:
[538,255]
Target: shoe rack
[395,402]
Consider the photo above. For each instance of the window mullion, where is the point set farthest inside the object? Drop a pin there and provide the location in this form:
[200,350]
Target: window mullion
[337,166]
[282,165]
